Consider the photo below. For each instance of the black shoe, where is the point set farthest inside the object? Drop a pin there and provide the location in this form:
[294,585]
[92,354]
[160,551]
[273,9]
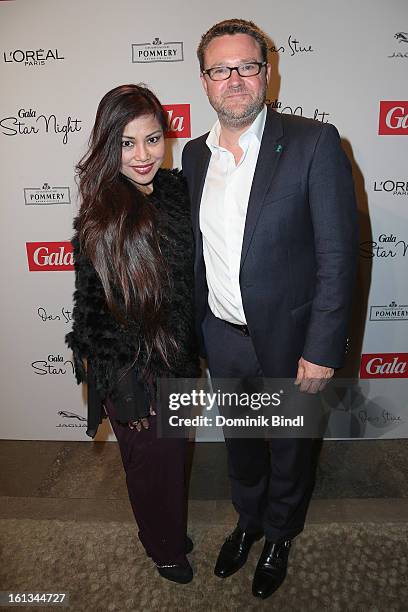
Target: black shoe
[176,573]
[234,552]
[271,569]
[189,545]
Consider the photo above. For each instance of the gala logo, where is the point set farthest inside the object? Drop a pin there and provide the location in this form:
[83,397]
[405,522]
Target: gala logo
[179,120]
[49,256]
[393,118]
[384,365]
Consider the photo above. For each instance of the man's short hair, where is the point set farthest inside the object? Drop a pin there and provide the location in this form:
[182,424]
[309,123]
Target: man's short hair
[233,26]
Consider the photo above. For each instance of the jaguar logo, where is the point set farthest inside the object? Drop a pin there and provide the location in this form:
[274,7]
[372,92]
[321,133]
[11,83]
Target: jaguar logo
[402,36]
[71,415]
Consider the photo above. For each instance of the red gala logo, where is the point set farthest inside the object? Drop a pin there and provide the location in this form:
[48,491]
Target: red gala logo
[179,120]
[384,365]
[49,256]
[393,118]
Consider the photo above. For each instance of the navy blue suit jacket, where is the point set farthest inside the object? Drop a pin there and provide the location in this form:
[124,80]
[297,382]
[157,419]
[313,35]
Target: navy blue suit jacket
[299,250]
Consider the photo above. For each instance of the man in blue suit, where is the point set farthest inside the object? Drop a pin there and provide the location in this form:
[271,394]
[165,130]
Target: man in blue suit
[274,217]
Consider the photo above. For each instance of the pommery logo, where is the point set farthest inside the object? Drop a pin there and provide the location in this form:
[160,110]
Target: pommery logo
[30,57]
[157,51]
[46,195]
[392,312]
[402,53]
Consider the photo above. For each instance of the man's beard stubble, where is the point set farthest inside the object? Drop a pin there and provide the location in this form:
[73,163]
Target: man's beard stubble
[239,118]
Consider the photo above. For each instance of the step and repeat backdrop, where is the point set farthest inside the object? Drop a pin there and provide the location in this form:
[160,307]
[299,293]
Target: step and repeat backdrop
[340,62]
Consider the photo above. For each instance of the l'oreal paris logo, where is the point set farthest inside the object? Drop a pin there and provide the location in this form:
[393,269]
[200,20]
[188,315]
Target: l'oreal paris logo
[392,186]
[30,57]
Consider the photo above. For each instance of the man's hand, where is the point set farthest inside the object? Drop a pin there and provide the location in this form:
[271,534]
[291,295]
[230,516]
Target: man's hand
[312,377]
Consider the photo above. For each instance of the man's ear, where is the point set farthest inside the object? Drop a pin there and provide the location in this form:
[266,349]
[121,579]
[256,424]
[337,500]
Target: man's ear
[204,83]
[268,73]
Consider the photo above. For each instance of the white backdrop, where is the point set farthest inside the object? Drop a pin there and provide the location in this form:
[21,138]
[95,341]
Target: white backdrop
[334,61]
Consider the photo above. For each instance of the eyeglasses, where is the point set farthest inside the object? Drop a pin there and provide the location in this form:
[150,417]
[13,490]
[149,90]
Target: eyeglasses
[222,73]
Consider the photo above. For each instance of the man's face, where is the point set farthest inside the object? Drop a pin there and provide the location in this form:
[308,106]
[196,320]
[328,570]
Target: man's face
[237,100]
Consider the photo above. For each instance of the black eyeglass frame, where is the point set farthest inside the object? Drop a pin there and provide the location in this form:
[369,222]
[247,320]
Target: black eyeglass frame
[231,68]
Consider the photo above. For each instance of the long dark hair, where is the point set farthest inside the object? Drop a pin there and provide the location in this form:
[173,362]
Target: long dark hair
[117,224]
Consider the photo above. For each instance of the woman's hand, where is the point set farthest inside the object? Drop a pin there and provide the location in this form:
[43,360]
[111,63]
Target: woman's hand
[143,422]
[139,423]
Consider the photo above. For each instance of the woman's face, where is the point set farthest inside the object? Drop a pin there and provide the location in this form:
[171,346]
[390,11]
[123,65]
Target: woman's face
[142,151]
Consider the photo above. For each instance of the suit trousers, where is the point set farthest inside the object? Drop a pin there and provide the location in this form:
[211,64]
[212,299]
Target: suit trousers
[271,480]
[156,483]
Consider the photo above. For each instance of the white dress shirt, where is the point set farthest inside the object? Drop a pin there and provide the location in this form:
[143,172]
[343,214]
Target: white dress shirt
[223,211]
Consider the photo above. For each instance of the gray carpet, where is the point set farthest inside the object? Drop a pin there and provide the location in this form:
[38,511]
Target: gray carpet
[333,568]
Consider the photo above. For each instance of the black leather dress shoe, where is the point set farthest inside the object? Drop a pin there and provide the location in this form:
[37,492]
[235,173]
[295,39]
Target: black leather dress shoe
[234,552]
[271,569]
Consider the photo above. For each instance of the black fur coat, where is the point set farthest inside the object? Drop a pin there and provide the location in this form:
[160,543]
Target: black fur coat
[109,346]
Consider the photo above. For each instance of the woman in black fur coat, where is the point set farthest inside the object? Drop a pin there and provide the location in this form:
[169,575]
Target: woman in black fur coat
[133,308]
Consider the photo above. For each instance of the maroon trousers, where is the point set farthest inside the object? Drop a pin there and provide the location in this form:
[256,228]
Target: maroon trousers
[156,482]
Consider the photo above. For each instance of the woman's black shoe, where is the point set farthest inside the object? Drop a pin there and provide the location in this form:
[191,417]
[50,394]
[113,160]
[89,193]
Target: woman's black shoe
[176,573]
